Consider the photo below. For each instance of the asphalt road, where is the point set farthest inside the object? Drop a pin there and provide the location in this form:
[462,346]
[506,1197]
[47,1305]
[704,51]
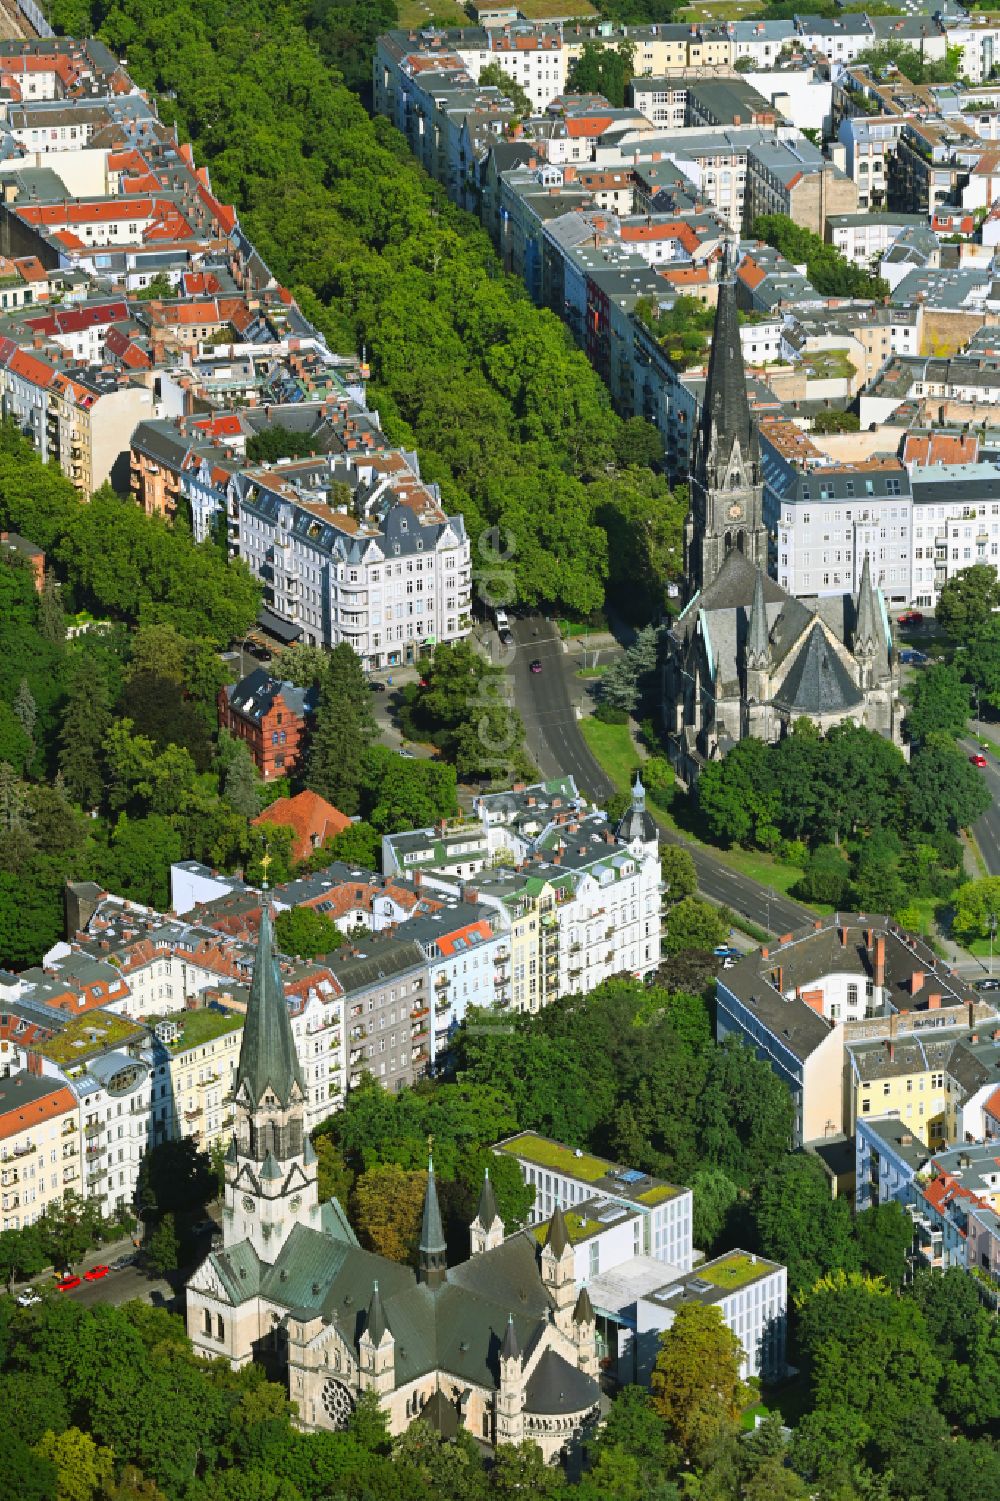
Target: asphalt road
[987,829]
[545,703]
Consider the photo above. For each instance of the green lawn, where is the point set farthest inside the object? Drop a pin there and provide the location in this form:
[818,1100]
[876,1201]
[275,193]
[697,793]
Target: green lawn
[613,747]
[593,672]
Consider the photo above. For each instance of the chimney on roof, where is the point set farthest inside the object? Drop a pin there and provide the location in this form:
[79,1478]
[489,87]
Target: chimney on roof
[891,1046]
[934,1002]
[843,937]
[879,975]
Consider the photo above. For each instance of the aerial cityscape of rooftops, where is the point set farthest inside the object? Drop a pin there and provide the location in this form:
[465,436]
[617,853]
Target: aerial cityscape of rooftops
[499,750]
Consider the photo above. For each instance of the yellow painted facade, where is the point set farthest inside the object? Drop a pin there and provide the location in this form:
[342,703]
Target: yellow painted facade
[922,1100]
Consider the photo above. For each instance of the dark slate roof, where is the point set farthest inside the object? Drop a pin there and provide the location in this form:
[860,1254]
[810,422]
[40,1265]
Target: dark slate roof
[734,585]
[556,1386]
[817,682]
[253,695]
[267,1055]
[440,1414]
[635,822]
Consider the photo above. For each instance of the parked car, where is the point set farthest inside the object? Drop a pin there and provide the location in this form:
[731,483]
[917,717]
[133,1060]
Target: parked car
[121,1262]
[978,759]
[96,1273]
[67,1284]
[992,982]
[28,1298]
[535,666]
[376,686]
[913,657]
[910,617]
[507,638]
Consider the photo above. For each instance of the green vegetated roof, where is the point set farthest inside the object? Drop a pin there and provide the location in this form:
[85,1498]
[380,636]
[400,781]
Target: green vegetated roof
[578,1227]
[732,1271]
[83,1036]
[204,1025]
[545,1153]
[658,1194]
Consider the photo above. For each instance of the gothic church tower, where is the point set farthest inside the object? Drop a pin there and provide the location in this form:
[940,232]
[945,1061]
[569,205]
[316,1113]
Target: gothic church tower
[271,1173]
[727,490]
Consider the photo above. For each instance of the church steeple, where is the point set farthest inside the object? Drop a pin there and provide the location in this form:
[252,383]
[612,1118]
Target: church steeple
[268,1060]
[727,492]
[866,628]
[433,1262]
[271,1171]
[725,411]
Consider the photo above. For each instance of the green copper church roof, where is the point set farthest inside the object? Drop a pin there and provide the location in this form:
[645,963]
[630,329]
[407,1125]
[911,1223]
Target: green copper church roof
[267,1056]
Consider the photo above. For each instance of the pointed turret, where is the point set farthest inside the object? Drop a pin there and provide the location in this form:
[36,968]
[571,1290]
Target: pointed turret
[510,1349]
[866,628]
[758,637]
[487,1211]
[558,1268]
[558,1237]
[486,1230]
[268,1059]
[583,1313]
[377,1349]
[433,1263]
[376,1324]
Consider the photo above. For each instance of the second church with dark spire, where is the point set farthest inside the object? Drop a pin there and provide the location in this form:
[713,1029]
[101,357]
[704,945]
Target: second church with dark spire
[727,490]
[745,659]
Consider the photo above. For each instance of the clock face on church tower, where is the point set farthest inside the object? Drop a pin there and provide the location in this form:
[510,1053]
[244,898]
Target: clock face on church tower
[735,512]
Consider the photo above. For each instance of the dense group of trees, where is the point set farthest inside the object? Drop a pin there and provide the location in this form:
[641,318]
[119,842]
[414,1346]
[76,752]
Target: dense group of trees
[829,272]
[911,62]
[462,705]
[870,829]
[506,414]
[111,765]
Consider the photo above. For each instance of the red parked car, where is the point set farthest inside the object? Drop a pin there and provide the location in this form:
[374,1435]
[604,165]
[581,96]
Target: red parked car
[96,1273]
[67,1284]
[911,617]
[978,759]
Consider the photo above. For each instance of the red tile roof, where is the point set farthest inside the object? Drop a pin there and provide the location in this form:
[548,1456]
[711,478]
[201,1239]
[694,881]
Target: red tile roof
[311,816]
[21,1117]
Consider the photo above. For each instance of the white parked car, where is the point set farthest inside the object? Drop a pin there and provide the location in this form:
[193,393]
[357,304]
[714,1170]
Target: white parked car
[28,1298]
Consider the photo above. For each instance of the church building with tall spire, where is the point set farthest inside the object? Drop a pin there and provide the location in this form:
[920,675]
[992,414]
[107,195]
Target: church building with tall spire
[502,1344]
[744,658]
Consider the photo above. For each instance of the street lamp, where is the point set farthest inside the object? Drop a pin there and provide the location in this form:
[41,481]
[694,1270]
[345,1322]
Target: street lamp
[993,930]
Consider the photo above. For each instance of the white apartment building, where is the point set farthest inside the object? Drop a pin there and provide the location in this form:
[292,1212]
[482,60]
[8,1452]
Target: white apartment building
[565,1179]
[363,554]
[863,238]
[956,523]
[114,1090]
[825,519]
[39,1147]
[980,44]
